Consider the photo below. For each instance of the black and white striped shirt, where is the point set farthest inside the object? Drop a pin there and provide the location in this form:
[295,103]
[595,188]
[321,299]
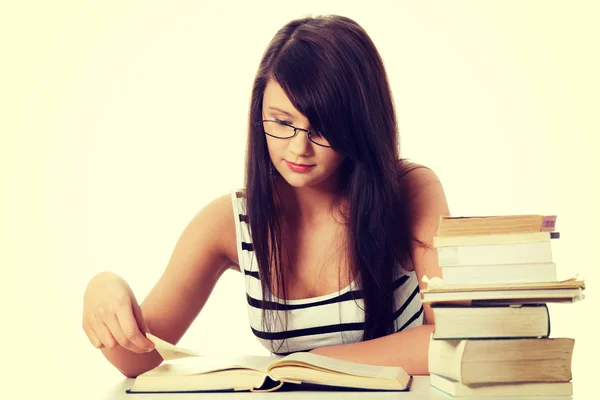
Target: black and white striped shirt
[331,319]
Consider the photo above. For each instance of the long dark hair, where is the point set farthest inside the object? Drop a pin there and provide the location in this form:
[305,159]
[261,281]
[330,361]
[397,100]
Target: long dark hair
[333,74]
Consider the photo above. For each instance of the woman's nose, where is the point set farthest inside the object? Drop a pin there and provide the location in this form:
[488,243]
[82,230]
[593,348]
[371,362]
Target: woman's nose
[300,144]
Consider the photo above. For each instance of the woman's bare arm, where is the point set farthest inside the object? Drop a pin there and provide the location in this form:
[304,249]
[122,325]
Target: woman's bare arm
[205,249]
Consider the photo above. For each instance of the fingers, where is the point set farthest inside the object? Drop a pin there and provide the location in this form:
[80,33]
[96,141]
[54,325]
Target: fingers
[102,332]
[112,317]
[139,317]
[112,323]
[107,329]
[130,326]
[91,334]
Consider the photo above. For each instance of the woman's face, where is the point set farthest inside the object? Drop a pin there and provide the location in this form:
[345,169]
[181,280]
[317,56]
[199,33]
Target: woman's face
[324,161]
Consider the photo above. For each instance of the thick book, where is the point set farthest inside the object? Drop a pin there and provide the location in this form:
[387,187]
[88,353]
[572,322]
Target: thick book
[536,292]
[499,321]
[186,371]
[513,253]
[494,225]
[502,360]
[523,389]
[503,273]
[505,238]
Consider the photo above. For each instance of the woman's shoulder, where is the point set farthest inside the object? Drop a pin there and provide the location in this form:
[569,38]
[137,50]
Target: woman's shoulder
[415,178]
[219,216]
[223,205]
[424,201]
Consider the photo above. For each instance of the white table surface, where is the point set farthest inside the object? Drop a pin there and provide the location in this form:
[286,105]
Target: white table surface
[420,389]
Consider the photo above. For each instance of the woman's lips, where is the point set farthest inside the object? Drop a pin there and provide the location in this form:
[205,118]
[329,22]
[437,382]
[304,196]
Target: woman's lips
[299,167]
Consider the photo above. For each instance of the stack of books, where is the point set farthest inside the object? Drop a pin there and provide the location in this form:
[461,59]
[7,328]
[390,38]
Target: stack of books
[492,325]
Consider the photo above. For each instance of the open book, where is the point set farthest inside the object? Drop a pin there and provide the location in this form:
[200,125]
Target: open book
[187,371]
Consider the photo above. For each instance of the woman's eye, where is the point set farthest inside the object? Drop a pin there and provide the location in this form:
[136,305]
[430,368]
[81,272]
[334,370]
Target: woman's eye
[283,122]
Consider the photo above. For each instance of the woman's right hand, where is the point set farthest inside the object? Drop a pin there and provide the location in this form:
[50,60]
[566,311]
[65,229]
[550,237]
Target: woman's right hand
[112,316]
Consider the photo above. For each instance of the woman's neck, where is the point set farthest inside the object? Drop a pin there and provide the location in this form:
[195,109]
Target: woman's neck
[307,207]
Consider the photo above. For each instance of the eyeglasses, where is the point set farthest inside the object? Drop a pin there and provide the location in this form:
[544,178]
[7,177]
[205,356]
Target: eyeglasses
[283,130]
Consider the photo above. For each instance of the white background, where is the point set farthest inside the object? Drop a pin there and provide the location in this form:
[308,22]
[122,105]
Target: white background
[120,120]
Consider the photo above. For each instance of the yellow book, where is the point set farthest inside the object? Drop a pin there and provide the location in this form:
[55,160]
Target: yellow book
[187,371]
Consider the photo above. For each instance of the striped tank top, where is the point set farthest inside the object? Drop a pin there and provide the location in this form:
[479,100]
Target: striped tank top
[331,319]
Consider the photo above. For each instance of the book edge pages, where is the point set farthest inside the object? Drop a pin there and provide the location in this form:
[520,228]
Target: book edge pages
[493,239]
[216,381]
[467,353]
[568,284]
[497,311]
[299,374]
[328,364]
[543,223]
[458,389]
[563,296]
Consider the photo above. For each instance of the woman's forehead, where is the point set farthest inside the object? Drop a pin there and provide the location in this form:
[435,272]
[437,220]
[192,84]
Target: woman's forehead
[275,99]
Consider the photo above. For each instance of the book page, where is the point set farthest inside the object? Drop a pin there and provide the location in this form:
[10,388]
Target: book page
[169,351]
[258,363]
[345,367]
[184,361]
[206,363]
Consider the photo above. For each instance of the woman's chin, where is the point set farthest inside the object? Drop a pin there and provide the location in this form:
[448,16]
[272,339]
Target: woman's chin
[306,180]
[299,181]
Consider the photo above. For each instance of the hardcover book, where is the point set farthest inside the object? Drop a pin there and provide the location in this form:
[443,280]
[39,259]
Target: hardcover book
[186,371]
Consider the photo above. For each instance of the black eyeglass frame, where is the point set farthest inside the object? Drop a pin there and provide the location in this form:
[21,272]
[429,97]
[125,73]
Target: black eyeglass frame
[308,131]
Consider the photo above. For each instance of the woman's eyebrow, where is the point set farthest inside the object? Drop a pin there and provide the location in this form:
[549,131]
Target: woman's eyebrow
[281,111]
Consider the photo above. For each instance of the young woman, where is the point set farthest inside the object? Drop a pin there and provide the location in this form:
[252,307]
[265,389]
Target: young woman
[331,234]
